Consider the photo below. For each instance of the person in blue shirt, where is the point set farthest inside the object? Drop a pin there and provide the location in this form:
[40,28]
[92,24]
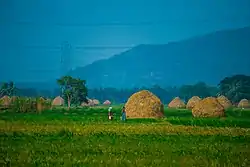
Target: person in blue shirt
[123,114]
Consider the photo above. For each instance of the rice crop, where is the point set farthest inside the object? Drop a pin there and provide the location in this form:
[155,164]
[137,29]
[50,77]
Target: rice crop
[85,137]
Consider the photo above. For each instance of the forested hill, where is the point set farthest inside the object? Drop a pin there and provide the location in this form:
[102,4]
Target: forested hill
[207,58]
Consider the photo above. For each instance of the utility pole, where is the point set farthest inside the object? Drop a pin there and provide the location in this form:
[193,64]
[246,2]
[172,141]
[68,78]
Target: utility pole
[66,58]
[65,61]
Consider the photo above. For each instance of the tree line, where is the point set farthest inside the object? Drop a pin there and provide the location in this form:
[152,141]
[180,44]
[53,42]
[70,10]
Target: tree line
[74,91]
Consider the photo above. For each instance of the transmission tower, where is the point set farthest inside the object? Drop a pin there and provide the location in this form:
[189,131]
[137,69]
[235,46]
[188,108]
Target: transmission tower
[66,58]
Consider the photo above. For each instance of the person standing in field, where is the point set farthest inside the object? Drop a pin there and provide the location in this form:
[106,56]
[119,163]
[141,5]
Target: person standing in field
[110,114]
[123,113]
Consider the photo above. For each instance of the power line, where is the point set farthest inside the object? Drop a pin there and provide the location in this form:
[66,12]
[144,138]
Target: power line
[77,47]
[66,58]
[139,23]
[103,47]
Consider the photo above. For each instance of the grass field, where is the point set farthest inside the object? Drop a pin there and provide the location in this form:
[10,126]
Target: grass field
[85,137]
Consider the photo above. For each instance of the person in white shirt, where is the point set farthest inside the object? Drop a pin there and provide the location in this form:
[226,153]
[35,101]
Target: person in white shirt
[110,114]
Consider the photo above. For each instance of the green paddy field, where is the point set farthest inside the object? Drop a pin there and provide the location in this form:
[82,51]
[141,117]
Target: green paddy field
[84,137]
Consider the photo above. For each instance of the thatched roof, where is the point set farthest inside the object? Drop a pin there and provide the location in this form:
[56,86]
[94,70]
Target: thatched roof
[58,101]
[244,103]
[176,103]
[191,102]
[208,107]
[144,104]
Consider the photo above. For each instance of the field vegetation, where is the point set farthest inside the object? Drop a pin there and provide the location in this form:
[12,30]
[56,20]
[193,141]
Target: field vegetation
[85,137]
[75,131]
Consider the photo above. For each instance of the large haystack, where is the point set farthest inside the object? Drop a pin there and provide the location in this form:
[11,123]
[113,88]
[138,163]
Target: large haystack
[208,107]
[5,101]
[176,103]
[244,103]
[191,102]
[107,102]
[58,101]
[224,102]
[144,104]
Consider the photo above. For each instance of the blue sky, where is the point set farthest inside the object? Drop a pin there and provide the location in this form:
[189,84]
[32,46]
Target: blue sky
[47,23]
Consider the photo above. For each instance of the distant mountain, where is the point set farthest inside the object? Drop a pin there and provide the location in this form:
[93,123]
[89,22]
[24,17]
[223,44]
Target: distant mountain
[207,58]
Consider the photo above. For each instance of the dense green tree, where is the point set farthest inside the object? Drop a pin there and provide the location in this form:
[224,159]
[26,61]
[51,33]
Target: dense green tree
[80,91]
[235,88]
[160,92]
[186,92]
[3,89]
[73,89]
[200,89]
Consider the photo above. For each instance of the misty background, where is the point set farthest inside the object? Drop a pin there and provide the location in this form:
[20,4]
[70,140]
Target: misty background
[32,31]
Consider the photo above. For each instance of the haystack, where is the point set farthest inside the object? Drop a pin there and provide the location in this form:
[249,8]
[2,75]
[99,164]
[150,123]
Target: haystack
[244,103]
[58,101]
[40,104]
[191,102]
[208,107]
[224,102]
[144,104]
[176,103]
[96,102]
[87,103]
[91,102]
[84,104]
[107,102]
[5,101]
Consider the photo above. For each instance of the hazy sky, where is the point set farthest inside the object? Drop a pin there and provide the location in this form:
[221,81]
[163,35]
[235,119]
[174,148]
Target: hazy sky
[31,31]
